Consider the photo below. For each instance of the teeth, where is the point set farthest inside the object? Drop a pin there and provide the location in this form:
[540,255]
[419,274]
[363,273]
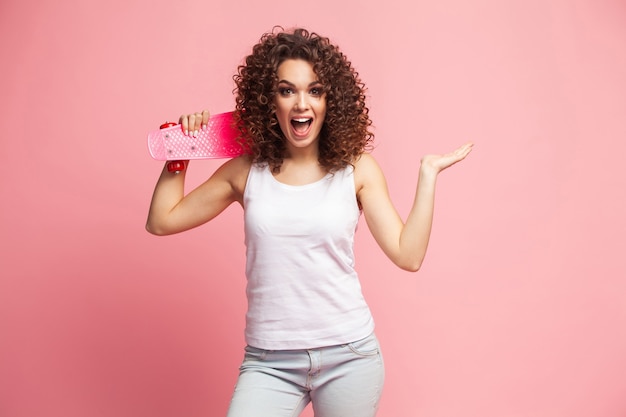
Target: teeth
[301,120]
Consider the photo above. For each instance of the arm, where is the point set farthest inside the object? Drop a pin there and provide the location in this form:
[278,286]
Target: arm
[173,212]
[405,243]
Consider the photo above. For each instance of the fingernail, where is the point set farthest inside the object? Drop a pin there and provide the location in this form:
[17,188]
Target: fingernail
[186,132]
[195,133]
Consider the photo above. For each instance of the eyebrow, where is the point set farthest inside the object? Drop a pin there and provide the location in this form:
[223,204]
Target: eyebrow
[293,85]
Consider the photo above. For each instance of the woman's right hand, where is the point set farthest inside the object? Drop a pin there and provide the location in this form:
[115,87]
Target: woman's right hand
[192,123]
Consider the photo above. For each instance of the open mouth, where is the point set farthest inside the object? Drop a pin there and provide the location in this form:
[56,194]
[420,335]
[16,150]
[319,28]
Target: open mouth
[301,125]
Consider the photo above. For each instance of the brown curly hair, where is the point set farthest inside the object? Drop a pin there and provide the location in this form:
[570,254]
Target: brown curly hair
[346,131]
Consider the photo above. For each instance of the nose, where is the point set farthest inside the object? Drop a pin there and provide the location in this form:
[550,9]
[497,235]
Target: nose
[302,102]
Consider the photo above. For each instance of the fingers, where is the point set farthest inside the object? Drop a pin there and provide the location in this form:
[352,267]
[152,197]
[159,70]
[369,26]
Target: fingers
[459,154]
[463,150]
[440,162]
[205,118]
[192,123]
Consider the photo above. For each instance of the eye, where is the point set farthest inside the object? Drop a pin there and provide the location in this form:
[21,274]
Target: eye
[316,91]
[285,91]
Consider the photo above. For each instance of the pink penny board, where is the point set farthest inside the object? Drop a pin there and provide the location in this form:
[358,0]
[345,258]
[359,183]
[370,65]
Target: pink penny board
[218,140]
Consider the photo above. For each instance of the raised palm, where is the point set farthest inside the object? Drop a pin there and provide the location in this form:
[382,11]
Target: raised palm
[441,162]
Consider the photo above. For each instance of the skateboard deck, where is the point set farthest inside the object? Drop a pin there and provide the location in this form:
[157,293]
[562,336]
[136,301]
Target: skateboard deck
[218,140]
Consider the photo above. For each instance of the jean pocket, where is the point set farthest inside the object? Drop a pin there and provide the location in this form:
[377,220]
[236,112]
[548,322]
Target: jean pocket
[365,347]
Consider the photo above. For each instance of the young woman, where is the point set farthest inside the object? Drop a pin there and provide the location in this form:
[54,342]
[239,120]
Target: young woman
[303,184]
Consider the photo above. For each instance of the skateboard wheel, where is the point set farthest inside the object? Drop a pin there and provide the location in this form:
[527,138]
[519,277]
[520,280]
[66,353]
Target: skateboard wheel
[175,166]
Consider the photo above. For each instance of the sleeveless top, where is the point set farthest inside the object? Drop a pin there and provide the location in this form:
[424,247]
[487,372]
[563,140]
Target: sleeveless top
[302,289]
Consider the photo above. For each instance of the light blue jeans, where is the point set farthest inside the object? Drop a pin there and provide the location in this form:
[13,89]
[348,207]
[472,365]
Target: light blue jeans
[340,381]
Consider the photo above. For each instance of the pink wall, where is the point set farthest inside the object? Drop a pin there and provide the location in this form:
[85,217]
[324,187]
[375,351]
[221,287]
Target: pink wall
[520,308]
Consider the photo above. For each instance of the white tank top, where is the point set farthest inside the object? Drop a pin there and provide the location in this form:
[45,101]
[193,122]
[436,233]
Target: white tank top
[303,291]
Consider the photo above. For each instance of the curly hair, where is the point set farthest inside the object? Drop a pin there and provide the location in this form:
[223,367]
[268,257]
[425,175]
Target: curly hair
[345,133]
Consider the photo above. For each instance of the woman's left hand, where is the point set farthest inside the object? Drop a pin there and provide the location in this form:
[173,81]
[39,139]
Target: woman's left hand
[440,162]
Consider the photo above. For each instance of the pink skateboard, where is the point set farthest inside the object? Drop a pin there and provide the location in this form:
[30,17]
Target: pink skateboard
[218,140]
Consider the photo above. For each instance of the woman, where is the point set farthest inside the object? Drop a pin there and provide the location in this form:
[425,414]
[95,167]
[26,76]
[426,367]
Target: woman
[303,184]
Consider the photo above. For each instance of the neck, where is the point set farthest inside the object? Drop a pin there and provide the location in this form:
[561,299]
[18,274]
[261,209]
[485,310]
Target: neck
[302,155]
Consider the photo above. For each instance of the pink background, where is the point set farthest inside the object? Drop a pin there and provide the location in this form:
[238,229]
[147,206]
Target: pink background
[520,308]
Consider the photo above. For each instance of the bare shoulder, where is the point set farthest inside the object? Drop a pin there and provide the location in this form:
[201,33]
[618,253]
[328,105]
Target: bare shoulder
[366,171]
[235,171]
[366,162]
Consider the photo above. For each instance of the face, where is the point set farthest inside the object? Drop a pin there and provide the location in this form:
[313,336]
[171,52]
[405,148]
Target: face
[300,103]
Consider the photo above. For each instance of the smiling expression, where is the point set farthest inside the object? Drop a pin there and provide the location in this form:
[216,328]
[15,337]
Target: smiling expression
[300,103]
